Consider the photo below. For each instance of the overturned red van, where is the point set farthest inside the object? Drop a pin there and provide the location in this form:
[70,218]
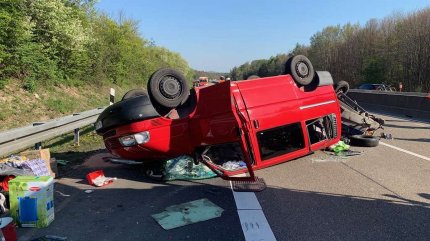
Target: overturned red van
[255,123]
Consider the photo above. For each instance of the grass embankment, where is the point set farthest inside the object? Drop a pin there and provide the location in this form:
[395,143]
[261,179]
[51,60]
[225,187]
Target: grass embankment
[19,107]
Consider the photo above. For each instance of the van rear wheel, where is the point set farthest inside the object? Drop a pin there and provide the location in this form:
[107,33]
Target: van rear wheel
[301,69]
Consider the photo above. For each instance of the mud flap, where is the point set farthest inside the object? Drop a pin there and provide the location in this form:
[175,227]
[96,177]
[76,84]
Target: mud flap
[256,185]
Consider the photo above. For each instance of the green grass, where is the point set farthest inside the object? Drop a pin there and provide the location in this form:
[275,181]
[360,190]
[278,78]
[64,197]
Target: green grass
[63,106]
[88,141]
[64,148]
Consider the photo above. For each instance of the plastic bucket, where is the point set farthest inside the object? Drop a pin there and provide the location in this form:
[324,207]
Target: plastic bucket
[8,228]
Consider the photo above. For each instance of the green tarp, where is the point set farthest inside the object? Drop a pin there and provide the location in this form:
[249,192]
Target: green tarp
[188,213]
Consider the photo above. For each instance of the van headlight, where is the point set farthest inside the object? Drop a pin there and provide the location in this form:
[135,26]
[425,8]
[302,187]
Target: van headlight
[138,138]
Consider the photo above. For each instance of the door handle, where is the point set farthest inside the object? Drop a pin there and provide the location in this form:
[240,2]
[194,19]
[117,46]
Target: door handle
[256,124]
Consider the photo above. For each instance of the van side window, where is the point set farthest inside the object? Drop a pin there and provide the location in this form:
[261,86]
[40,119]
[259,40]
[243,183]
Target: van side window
[280,140]
[322,128]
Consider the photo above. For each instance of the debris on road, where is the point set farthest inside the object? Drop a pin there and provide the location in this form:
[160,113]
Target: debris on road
[339,147]
[386,136]
[7,229]
[187,213]
[344,153]
[337,153]
[329,159]
[32,200]
[3,208]
[62,162]
[233,165]
[63,194]
[28,163]
[98,179]
[183,168]
[38,161]
[89,191]
[50,238]
[123,161]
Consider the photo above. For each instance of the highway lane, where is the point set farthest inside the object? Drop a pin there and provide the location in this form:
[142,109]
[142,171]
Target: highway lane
[383,194]
[123,209]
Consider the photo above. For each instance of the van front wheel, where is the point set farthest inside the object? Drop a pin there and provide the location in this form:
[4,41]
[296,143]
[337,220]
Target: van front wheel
[168,87]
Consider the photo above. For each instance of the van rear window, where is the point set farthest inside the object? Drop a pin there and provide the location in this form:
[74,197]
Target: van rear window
[281,140]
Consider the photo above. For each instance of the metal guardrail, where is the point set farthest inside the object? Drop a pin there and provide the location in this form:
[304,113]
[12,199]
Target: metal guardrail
[378,92]
[14,140]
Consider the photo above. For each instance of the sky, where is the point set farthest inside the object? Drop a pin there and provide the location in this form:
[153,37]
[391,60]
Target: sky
[218,35]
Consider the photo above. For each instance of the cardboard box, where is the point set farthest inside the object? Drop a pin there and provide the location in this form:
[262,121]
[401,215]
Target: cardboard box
[32,200]
[43,154]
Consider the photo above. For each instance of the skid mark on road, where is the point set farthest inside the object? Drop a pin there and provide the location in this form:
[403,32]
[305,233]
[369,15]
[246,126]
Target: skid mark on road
[254,224]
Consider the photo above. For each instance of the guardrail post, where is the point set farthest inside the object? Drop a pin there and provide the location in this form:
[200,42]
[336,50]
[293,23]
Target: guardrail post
[38,146]
[76,131]
[112,96]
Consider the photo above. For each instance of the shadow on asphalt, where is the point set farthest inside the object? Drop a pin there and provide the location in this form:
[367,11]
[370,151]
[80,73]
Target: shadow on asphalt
[123,209]
[306,215]
[424,195]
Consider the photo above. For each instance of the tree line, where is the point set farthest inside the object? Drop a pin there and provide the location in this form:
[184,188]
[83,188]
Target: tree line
[55,42]
[393,50]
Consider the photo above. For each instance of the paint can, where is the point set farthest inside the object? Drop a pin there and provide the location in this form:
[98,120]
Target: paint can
[8,228]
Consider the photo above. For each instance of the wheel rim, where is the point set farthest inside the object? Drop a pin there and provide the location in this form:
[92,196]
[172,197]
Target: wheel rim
[170,87]
[302,69]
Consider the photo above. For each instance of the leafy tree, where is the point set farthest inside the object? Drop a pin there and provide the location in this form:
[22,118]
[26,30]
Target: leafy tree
[45,42]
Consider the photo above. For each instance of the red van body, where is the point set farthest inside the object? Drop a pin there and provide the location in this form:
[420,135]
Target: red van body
[269,120]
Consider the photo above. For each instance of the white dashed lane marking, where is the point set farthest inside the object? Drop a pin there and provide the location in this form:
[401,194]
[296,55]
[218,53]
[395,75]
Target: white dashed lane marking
[254,224]
[405,151]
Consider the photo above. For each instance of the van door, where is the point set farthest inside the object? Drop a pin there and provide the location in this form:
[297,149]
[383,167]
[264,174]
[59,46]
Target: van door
[234,155]
[277,128]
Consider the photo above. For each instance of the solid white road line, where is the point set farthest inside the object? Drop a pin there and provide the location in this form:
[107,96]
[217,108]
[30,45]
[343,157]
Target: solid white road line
[254,223]
[255,226]
[405,151]
[246,201]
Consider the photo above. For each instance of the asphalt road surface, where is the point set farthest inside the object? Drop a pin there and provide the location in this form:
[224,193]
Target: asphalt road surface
[383,194]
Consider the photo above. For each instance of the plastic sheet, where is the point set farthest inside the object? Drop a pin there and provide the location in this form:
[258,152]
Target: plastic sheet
[183,168]
[188,213]
[339,147]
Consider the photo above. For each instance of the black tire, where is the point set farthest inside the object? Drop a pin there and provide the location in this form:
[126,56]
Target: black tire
[168,87]
[301,69]
[364,140]
[341,86]
[133,93]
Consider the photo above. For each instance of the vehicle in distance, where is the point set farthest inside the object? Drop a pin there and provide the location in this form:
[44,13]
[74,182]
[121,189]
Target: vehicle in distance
[380,87]
[257,123]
